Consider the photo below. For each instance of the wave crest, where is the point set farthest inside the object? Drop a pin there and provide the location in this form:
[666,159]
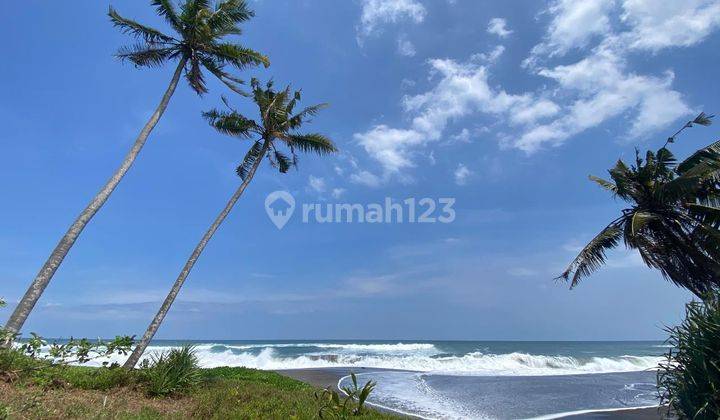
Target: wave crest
[513,364]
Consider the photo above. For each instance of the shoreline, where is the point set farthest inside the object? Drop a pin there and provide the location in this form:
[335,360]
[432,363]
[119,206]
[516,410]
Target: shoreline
[331,377]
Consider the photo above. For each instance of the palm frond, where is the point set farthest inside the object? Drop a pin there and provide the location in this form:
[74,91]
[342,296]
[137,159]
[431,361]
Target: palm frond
[166,9]
[227,15]
[592,256]
[138,30]
[708,215]
[190,10]
[706,155]
[231,123]
[604,183]
[297,120]
[313,142]
[250,158]
[145,55]
[282,162]
[680,188]
[237,56]
[217,70]
[639,220]
[194,76]
[703,119]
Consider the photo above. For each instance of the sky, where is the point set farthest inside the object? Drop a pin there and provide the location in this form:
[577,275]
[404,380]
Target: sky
[505,107]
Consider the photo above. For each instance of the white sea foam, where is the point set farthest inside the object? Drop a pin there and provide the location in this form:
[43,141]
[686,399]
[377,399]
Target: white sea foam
[476,363]
[365,348]
[421,357]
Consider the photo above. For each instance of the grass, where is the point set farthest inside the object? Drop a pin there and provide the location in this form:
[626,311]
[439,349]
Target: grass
[175,371]
[40,391]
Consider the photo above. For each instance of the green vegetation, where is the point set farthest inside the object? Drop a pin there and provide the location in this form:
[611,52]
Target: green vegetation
[690,378]
[42,390]
[353,404]
[173,372]
[673,220]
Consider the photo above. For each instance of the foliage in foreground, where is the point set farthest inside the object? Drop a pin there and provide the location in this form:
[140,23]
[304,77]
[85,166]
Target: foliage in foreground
[673,218]
[175,371]
[113,392]
[689,380]
[353,404]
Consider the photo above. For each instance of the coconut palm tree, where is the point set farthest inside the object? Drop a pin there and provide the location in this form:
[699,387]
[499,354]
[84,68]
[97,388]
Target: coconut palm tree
[673,220]
[277,128]
[198,43]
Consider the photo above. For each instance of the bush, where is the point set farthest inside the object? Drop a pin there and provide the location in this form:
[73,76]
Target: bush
[334,406]
[101,378]
[172,372]
[689,380]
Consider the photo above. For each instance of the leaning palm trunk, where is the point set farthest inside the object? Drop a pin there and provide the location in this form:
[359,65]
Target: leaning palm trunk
[27,303]
[199,248]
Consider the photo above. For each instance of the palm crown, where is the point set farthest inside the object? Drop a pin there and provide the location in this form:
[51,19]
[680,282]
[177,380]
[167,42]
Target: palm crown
[673,220]
[198,42]
[276,128]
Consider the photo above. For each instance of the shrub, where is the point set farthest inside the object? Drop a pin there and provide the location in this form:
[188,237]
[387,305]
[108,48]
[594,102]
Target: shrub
[689,380]
[341,408]
[173,372]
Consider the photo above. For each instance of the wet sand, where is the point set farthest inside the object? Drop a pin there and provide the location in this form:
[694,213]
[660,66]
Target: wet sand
[329,377]
[324,377]
[654,413]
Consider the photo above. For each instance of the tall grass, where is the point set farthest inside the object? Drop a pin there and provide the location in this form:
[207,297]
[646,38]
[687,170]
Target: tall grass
[689,380]
[172,372]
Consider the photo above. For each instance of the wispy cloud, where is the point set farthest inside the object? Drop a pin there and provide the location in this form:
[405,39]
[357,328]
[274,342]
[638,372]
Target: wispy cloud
[405,47]
[581,94]
[498,26]
[378,12]
[317,184]
[461,174]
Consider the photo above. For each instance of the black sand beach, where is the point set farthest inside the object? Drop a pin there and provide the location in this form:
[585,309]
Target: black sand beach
[329,377]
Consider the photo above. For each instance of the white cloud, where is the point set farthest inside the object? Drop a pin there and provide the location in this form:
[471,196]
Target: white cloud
[580,94]
[405,47]
[461,174]
[365,178]
[498,26]
[603,88]
[490,57]
[463,136]
[534,111]
[461,90]
[600,86]
[390,146]
[376,12]
[317,184]
[338,192]
[574,24]
[661,24]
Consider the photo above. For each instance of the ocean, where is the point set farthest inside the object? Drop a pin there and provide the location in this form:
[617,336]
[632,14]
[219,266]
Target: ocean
[467,379]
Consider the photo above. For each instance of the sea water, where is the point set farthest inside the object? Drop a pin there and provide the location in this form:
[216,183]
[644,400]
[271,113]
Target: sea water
[466,379]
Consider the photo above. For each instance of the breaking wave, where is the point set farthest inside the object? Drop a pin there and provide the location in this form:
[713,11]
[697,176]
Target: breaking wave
[413,356]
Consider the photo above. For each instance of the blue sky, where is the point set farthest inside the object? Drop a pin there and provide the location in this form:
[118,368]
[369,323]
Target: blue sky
[505,106]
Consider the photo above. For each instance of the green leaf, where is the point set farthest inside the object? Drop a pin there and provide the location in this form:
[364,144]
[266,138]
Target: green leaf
[129,26]
[250,158]
[604,183]
[592,256]
[639,220]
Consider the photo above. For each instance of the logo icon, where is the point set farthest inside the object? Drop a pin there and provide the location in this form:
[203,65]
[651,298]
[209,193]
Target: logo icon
[279,206]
